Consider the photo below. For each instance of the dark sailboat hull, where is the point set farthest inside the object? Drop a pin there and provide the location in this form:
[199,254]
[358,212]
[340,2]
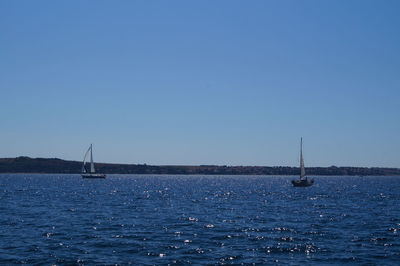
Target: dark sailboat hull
[303,182]
[93,176]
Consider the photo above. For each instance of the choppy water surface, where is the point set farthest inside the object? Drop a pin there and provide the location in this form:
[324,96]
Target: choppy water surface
[63,219]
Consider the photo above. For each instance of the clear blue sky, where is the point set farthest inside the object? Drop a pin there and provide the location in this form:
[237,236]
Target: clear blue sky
[202,82]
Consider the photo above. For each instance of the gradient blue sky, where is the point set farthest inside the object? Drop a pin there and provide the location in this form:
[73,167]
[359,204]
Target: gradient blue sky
[202,82]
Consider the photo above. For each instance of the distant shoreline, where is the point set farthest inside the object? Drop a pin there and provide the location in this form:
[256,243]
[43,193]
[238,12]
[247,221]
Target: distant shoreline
[27,165]
[238,175]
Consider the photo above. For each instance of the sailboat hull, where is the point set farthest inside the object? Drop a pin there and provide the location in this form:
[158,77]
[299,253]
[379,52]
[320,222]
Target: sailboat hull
[303,182]
[93,176]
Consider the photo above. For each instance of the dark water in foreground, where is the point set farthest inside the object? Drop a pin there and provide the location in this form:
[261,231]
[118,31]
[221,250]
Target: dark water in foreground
[63,219]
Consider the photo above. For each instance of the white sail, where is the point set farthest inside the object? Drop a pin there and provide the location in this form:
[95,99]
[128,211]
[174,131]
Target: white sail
[83,168]
[84,161]
[91,160]
[302,170]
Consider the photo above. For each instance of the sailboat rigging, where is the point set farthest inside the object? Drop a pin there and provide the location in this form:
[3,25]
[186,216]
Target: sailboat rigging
[90,173]
[303,181]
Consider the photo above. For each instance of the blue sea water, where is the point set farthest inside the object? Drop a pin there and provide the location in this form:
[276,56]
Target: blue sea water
[138,219]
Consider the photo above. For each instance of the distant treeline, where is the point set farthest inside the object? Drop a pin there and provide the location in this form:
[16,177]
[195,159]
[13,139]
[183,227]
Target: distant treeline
[42,165]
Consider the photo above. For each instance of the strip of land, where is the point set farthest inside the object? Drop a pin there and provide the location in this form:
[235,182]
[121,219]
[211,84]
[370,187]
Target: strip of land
[25,164]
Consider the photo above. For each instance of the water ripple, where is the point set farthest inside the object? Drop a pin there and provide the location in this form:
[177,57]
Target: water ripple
[131,220]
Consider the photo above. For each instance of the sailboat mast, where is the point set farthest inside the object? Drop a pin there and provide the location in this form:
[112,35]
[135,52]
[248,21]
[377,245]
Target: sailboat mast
[301,150]
[302,170]
[91,160]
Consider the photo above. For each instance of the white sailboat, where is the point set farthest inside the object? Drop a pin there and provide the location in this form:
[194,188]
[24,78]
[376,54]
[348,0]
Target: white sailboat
[303,181]
[91,173]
